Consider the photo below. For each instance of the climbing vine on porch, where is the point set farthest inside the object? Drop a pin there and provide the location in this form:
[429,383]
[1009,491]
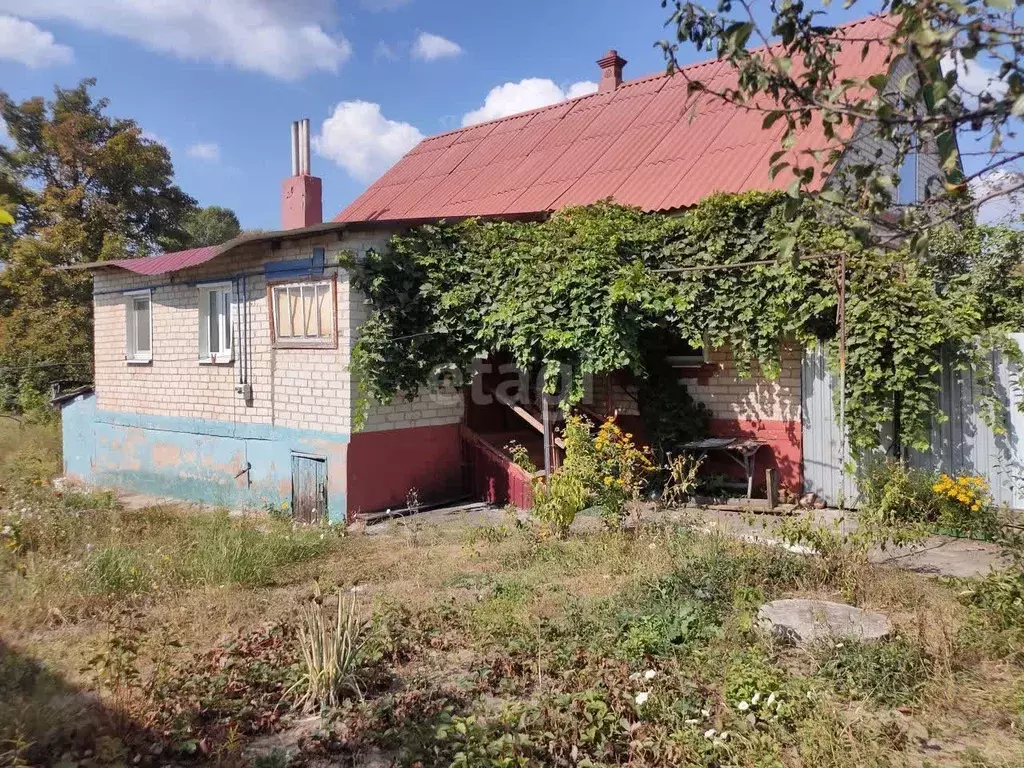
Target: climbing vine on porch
[585,291]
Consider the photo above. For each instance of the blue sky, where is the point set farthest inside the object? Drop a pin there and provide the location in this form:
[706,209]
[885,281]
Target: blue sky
[219,81]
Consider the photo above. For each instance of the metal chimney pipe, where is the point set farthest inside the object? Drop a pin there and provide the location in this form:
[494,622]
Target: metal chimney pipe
[295,148]
[305,147]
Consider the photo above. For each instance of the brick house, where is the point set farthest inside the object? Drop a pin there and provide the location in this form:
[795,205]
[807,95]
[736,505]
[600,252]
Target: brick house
[222,373]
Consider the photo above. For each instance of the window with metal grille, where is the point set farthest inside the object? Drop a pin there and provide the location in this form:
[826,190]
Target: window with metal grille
[303,313]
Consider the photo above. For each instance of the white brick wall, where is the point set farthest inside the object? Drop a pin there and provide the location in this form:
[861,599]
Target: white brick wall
[727,394]
[307,389]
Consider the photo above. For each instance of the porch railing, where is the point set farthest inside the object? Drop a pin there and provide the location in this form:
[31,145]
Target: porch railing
[492,476]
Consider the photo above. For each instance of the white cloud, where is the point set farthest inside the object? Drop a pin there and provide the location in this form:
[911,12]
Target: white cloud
[582,88]
[1008,204]
[430,47]
[24,42]
[385,51]
[204,150]
[281,38]
[361,140]
[973,78]
[531,93]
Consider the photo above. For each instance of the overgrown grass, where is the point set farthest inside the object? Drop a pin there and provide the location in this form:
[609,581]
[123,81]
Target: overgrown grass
[487,647]
[892,672]
[82,546]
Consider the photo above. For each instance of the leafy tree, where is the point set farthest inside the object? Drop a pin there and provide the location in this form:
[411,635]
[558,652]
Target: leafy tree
[211,225]
[795,83]
[82,186]
[45,322]
[85,182]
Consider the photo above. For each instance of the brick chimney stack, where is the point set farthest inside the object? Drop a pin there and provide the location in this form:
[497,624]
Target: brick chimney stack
[301,194]
[611,71]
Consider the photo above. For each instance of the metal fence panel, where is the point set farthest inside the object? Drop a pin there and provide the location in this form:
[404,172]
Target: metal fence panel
[964,443]
[825,466]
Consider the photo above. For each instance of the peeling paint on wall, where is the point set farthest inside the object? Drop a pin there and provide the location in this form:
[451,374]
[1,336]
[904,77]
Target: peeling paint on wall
[195,460]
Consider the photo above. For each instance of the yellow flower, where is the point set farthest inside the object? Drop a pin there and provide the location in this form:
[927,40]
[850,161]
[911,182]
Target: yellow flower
[608,479]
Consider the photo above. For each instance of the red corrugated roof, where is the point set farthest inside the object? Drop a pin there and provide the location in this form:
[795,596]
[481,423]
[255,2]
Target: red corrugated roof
[649,143]
[167,262]
[164,263]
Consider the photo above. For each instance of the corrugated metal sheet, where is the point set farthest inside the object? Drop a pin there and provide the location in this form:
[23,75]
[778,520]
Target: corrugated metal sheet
[649,143]
[966,444]
[826,466]
[962,444]
[168,262]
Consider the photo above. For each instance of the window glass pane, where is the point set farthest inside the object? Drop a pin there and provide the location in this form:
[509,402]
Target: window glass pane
[214,321]
[281,323]
[907,193]
[226,307]
[323,308]
[295,311]
[302,311]
[309,315]
[141,307]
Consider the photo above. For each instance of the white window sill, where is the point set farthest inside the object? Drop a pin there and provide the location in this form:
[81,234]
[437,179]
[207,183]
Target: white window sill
[139,360]
[217,361]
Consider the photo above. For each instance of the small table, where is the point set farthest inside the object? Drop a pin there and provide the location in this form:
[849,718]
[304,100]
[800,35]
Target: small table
[742,450]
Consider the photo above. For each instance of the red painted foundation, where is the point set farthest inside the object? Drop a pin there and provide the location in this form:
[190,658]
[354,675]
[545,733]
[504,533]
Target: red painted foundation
[784,451]
[384,466]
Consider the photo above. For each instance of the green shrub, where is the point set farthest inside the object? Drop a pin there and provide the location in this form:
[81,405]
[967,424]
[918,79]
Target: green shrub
[893,492]
[607,470]
[891,672]
[1001,595]
[557,502]
[896,494]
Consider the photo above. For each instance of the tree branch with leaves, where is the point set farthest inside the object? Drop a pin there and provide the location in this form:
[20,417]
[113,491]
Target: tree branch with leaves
[786,69]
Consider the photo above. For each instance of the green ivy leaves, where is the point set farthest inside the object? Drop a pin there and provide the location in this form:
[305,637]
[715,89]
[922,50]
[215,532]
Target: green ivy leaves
[590,288]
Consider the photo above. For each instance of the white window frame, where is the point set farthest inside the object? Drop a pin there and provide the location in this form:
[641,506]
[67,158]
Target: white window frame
[318,341]
[132,354]
[225,328]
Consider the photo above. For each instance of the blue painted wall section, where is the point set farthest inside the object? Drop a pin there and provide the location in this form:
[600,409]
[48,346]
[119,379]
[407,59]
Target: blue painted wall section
[78,417]
[215,462]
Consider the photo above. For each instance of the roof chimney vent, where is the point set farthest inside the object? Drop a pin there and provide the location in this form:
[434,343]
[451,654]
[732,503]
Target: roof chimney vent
[611,71]
[302,193]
